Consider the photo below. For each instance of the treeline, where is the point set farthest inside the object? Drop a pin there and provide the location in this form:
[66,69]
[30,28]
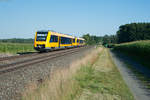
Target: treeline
[17,40]
[126,33]
[92,40]
[133,32]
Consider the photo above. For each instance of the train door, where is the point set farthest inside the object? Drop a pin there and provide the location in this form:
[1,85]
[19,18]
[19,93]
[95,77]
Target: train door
[59,42]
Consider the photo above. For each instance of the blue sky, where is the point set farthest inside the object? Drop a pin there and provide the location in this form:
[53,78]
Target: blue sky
[22,18]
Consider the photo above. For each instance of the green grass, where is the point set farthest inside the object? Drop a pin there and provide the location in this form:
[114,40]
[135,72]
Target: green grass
[138,50]
[106,83]
[16,47]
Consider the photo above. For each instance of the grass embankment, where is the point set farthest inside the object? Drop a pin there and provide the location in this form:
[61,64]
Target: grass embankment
[94,77]
[138,50]
[16,47]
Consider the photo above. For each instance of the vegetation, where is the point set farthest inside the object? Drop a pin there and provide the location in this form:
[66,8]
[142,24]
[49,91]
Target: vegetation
[92,40]
[98,79]
[139,50]
[16,47]
[102,80]
[133,32]
[126,33]
[17,40]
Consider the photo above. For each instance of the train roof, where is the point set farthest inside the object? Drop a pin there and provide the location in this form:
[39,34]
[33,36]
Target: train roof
[60,34]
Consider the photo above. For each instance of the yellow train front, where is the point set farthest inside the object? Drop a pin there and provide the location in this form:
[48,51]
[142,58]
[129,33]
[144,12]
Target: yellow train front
[49,40]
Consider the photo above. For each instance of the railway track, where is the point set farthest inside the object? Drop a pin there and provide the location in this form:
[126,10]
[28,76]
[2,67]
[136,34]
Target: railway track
[38,58]
[15,57]
[23,56]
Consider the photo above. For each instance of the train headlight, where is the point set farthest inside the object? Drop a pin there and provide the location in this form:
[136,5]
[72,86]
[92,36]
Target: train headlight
[41,45]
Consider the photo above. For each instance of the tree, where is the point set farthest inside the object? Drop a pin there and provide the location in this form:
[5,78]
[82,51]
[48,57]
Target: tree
[133,32]
[90,40]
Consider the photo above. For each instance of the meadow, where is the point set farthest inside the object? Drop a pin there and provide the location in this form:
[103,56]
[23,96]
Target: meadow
[139,50]
[15,48]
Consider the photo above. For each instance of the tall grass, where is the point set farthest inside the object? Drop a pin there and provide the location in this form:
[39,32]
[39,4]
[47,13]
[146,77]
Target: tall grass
[93,77]
[140,50]
[16,47]
[61,85]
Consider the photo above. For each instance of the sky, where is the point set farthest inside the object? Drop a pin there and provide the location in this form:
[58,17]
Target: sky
[22,18]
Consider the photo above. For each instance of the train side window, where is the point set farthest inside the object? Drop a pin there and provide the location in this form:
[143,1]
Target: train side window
[62,40]
[81,41]
[77,41]
[65,40]
[54,38]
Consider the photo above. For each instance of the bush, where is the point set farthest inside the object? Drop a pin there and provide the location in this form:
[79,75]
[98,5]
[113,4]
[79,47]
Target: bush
[137,49]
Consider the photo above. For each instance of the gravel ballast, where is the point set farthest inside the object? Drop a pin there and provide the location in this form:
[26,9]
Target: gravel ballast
[12,84]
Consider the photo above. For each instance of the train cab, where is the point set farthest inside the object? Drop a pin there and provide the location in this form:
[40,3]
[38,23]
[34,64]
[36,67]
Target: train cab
[49,40]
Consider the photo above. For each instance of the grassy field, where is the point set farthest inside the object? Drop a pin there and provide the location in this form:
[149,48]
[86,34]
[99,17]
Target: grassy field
[139,50]
[94,77]
[16,47]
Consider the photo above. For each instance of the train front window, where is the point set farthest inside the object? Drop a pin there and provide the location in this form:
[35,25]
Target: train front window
[41,36]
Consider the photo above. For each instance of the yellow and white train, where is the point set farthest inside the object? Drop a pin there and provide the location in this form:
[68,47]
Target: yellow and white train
[49,40]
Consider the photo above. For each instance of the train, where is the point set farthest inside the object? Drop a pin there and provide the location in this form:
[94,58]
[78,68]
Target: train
[50,40]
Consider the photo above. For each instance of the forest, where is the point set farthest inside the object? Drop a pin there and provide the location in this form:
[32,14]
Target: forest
[126,33]
[133,32]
